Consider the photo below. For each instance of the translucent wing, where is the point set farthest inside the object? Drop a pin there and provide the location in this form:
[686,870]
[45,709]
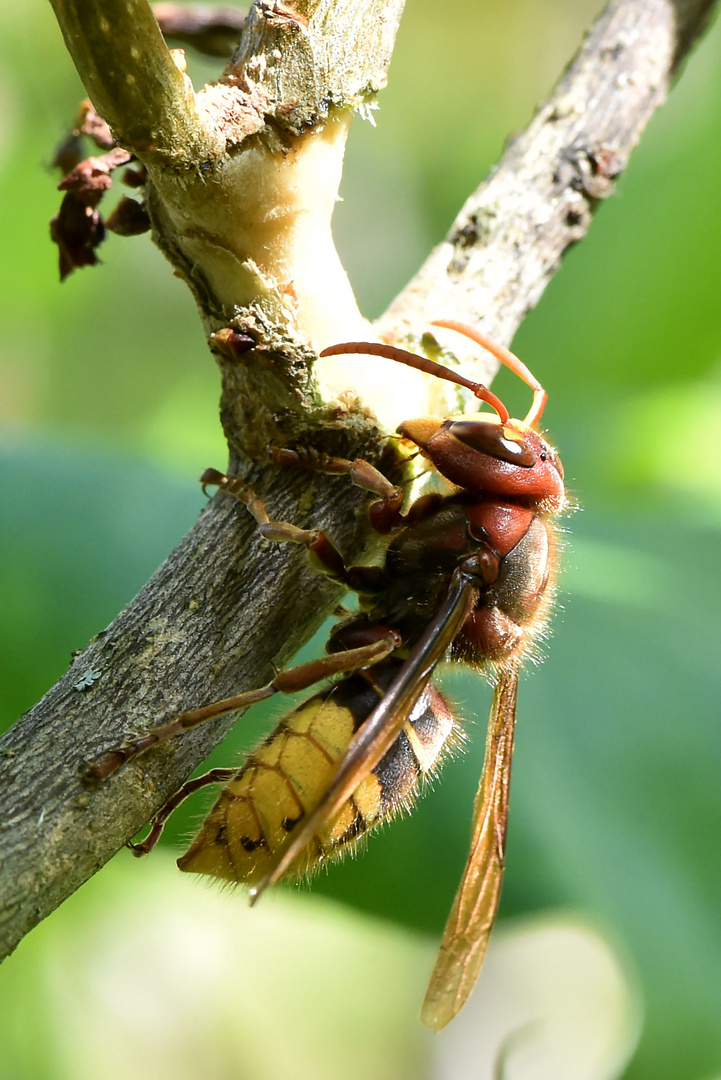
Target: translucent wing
[474,908]
[382,727]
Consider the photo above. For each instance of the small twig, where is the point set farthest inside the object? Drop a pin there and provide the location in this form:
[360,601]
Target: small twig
[508,240]
[133,81]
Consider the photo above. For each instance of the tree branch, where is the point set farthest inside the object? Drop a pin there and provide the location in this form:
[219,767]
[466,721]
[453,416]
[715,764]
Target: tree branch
[225,604]
[508,240]
[132,79]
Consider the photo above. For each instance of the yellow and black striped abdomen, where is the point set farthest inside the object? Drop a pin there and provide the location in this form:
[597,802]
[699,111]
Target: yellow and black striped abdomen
[284,778]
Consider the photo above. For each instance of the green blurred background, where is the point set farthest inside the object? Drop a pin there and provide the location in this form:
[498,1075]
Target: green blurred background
[108,406]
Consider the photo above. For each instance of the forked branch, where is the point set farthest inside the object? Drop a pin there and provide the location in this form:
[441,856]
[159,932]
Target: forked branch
[226,604]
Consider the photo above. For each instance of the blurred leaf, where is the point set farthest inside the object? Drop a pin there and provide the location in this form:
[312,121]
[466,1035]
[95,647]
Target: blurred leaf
[142,974]
[81,534]
[553,1003]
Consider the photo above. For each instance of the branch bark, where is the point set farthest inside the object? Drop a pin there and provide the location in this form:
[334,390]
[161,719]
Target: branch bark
[508,240]
[130,75]
[225,605]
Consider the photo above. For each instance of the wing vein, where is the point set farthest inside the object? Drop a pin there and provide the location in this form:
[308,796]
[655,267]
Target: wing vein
[476,903]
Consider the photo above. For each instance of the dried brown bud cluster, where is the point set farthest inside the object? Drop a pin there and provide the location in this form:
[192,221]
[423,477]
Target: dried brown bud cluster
[78,228]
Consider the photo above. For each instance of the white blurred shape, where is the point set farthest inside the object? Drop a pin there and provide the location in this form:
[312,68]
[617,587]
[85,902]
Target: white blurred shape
[176,981]
[148,974]
[553,1003]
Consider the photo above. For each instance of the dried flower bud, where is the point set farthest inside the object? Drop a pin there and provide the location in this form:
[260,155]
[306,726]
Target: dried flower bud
[231,343]
[129,218]
[78,230]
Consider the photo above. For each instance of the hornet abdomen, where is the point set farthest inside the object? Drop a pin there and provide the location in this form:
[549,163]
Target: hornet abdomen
[283,779]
